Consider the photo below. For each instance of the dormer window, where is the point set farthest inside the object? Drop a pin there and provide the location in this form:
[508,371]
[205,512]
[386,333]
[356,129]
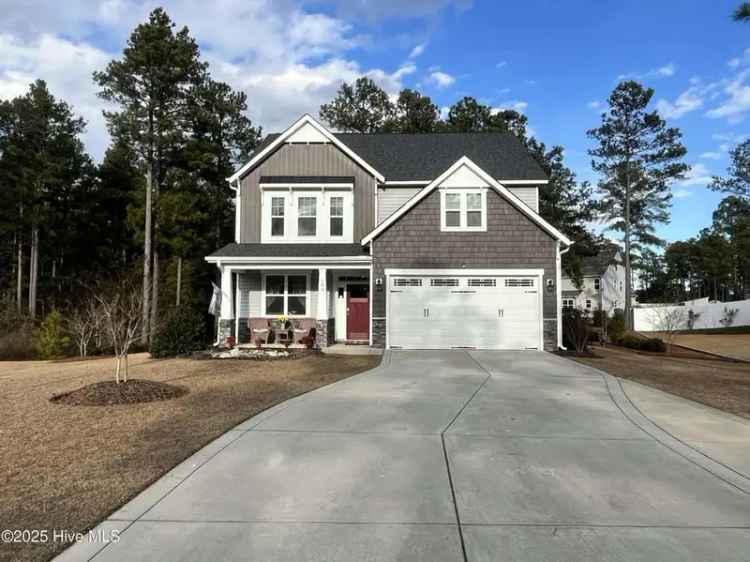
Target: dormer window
[463,210]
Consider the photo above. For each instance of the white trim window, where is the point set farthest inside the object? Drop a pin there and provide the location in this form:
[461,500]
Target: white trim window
[307,216]
[463,210]
[336,214]
[597,284]
[285,294]
[278,207]
[289,214]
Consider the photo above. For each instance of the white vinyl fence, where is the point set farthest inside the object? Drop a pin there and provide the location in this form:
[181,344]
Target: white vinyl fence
[652,318]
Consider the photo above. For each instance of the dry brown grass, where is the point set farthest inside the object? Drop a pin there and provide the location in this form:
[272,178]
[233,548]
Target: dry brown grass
[718,383]
[729,345]
[68,467]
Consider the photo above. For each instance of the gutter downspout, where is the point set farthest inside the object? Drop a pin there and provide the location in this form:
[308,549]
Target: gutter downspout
[559,295]
[236,190]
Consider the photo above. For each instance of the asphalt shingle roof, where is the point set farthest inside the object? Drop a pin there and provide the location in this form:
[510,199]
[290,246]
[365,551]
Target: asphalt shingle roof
[593,266]
[235,250]
[412,157]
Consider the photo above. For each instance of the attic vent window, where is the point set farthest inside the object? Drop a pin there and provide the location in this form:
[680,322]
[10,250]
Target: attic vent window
[519,282]
[482,283]
[441,282]
[401,282]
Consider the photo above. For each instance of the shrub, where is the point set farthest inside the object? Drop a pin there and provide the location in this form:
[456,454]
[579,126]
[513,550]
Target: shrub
[17,344]
[642,344]
[616,326]
[576,330]
[51,338]
[182,332]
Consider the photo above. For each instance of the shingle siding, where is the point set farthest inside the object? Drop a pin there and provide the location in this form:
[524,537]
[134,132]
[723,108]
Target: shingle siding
[512,241]
[307,160]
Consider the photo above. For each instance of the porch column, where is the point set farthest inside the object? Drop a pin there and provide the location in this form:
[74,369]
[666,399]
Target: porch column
[226,316]
[322,325]
[322,293]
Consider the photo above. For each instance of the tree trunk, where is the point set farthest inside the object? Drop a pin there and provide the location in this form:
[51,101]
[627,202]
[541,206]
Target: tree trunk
[33,269]
[155,253]
[628,272]
[147,260]
[19,274]
[117,369]
[179,280]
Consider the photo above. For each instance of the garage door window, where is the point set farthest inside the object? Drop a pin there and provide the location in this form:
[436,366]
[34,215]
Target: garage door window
[463,210]
[519,282]
[407,282]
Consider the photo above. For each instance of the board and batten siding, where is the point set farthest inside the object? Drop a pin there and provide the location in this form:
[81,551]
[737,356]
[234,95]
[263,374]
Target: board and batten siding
[307,160]
[529,195]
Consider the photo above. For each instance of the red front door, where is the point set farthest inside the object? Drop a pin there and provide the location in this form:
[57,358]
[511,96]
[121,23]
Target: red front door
[357,312]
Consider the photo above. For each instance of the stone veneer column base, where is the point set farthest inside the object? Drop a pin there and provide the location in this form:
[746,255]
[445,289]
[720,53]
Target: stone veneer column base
[378,332]
[550,334]
[325,332]
[226,329]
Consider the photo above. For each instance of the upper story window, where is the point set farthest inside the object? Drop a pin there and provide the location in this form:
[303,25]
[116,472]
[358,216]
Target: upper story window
[337,216]
[307,220]
[277,216]
[463,210]
[307,214]
[597,284]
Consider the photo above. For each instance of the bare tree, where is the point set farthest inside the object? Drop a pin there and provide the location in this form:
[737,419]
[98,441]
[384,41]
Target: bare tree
[669,320]
[122,312]
[85,322]
[576,329]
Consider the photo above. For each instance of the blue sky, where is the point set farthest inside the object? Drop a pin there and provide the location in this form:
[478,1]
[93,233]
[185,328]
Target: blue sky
[555,61]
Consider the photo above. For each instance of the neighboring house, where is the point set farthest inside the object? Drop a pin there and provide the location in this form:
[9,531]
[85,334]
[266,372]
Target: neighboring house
[603,285]
[415,241]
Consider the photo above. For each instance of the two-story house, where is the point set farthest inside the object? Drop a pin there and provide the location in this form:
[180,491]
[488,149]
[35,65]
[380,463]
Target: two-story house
[414,241]
[603,283]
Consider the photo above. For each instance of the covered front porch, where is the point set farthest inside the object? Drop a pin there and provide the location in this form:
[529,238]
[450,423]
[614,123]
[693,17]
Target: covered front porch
[273,302]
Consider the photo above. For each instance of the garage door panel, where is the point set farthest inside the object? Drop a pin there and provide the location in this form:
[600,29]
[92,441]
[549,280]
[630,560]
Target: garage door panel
[489,312]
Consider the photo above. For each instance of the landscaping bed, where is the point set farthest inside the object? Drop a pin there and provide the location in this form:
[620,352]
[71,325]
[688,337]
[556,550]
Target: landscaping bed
[697,376]
[68,467]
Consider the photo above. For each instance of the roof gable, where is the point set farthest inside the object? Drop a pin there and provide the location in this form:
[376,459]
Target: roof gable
[305,129]
[464,170]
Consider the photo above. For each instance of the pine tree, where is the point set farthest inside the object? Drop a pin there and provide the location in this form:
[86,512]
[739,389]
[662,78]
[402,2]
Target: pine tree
[638,157]
[151,84]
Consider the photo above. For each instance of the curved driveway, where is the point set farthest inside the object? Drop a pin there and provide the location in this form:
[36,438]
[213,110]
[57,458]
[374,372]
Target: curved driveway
[443,456]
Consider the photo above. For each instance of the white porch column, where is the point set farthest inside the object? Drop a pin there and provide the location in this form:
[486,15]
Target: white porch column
[227,296]
[322,293]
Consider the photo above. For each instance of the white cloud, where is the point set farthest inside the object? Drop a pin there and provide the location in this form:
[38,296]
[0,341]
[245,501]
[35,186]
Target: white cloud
[711,156]
[737,102]
[515,105]
[501,64]
[441,79]
[418,50]
[698,175]
[742,60]
[286,56]
[681,193]
[595,104]
[689,100]
[661,72]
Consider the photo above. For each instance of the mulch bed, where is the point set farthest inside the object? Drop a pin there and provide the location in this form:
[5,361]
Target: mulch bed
[111,393]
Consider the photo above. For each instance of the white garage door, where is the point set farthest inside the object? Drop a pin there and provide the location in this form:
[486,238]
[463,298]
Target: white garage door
[483,312]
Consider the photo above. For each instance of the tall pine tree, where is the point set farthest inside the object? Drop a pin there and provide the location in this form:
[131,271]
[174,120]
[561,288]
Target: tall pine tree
[638,157]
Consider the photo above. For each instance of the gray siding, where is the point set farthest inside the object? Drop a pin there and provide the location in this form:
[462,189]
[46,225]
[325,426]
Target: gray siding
[529,195]
[512,240]
[391,198]
[307,160]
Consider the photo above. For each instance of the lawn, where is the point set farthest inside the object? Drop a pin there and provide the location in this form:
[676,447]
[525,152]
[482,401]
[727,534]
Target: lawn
[729,344]
[68,467]
[693,375]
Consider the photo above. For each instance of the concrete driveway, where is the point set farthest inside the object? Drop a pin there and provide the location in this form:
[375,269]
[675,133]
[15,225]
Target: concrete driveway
[443,456]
